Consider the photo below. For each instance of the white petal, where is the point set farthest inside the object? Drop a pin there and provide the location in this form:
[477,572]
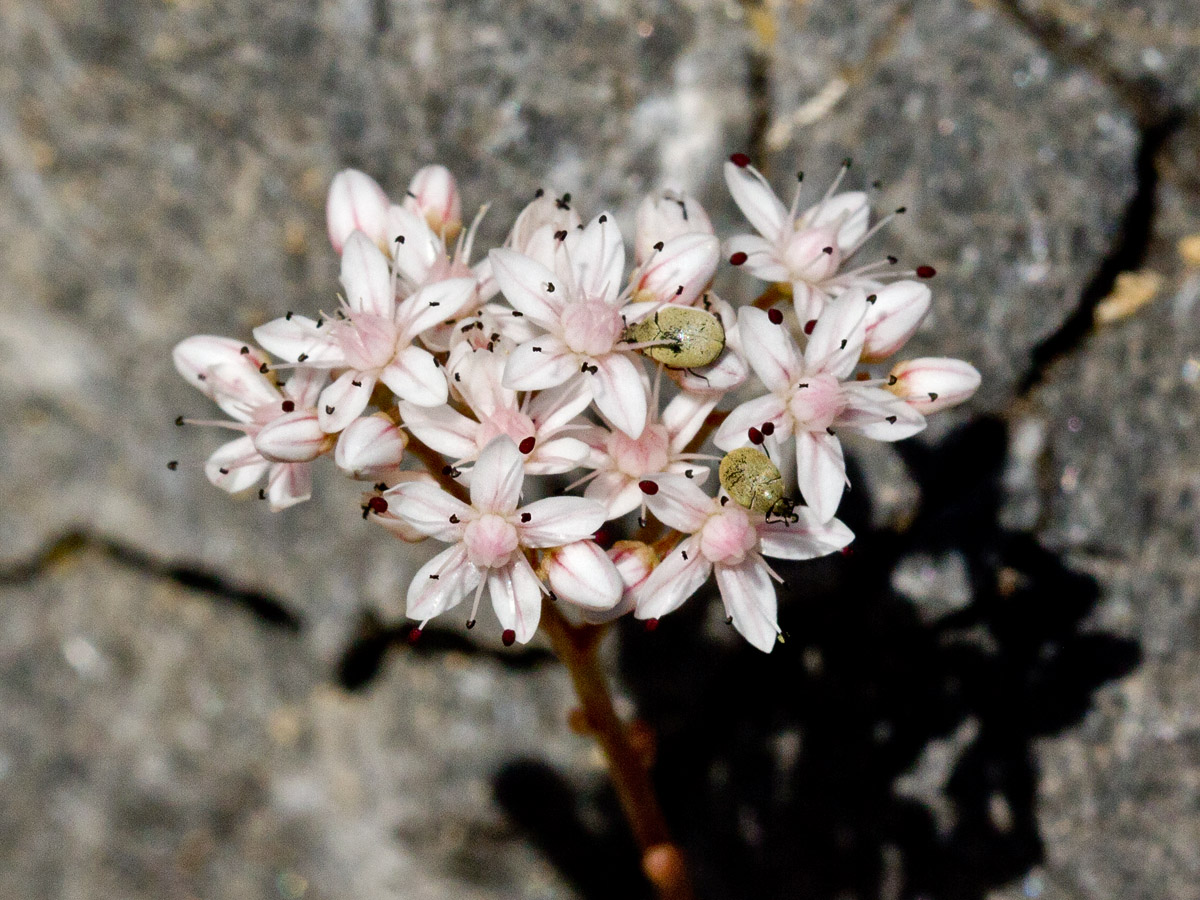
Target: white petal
[749,599]
[415,376]
[677,577]
[664,215]
[543,362]
[434,193]
[620,393]
[419,251]
[618,493]
[770,349]
[582,573]
[821,472]
[294,437]
[850,212]
[893,317]
[878,414]
[559,520]
[305,386]
[516,597]
[428,509]
[366,278]
[289,484]
[679,503]
[762,257]
[933,383]
[292,337]
[429,596]
[434,304]
[356,202]
[370,448]
[551,409]
[198,355]
[688,261]
[726,374]
[442,429]
[806,539]
[497,477]
[837,339]
[243,465]
[808,301]
[344,400]
[598,259]
[524,283]
[756,200]
[683,418]
[733,432]
[557,456]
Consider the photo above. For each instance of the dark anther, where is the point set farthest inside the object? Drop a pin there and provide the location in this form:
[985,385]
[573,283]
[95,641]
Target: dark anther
[491,345]
[560,235]
[891,420]
[756,436]
[381,485]
[467,327]
[741,160]
[525,517]
[359,383]
[471,622]
[377,505]
[288,315]
[204,377]
[689,473]
[603,219]
[454,520]
[892,260]
[517,313]
[509,637]
[776,316]
[527,445]
[802,385]
[846,162]
[458,376]
[245,350]
[679,290]
[901,210]
[768,428]
[651,624]
[434,303]
[549,287]
[724,500]
[302,357]
[877,184]
[536,349]
[264,369]
[329,410]
[641,521]
[843,346]
[684,554]
[433,577]
[399,239]
[223,471]
[320,322]
[179,420]
[809,326]
[262,494]
[799,176]
[738,258]
[871,298]
[648,487]
[414,635]
[926,271]
[827,250]
[173,465]
[289,405]
[932,396]
[831,432]
[658,246]
[540,192]
[892,379]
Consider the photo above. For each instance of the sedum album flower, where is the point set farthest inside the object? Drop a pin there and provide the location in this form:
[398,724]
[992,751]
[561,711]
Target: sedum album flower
[488,537]
[724,538]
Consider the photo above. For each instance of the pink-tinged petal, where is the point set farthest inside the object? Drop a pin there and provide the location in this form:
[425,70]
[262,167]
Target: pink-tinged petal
[806,539]
[848,212]
[516,597]
[497,477]
[370,448]
[634,560]
[681,573]
[545,215]
[808,301]
[598,259]
[198,355]
[617,493]
[557,456]
[620,393]
[541,363]
[552,409]
[293,337]
[344,400]
[222,372]
[762,257]
[415,376]
[429,509]
[414,247]
[289,484]
[581,573]
[236,465]
[294,437]
[434,304]
[688,262]
[305,386]
[771,351]
[365,277]
[434,193]
[664,215]
[734,431]
[837,339]
[441,583]
[821,472]
[678,503]
[726,374]
[441,428]
[478,379]
[356,203]
[757,201]
[933,383]
[558,520]
[750,601]
[526,285]
[683,418]
[877,414]
[894,317]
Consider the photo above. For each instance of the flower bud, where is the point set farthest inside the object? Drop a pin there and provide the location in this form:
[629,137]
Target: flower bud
[370,448]
[356,202]
[664,215]
[933,383]
[581,573]
[226,371]
[681,270]
[433,193]
[293,437]
[533,233]
[893,317]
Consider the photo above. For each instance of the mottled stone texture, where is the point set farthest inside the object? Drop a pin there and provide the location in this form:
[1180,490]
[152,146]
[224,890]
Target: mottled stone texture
[164,170]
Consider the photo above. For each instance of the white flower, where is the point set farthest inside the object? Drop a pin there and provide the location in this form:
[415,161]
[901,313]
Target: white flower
[930,384]
[811,400]
[805,249]
[725,538]
[488,537]
[667,214]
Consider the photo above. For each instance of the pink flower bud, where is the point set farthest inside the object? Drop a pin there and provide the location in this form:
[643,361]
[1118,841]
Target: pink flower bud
[370,448]
[634,561]
[581,573]
[932,383]
[664,215]
[356,202]
[293,437]
[893,317]
[681,270]
[434,194]
[533,233]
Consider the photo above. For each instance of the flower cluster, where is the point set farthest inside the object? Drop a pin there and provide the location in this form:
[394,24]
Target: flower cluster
[464,391]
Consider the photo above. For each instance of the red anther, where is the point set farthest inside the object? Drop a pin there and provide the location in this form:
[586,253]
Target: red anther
[648,487]
[926,271]
[289,405]
[809,326]
[847,551]
[863,376]
[776,316]
[651,624]
[377,505]
[768,428]
[509,637]
[414,635]
[756,436]
[738,258]
[741,160]
[527,445]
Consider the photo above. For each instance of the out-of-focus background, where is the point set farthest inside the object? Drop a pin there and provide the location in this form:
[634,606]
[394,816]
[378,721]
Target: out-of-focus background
[997,695]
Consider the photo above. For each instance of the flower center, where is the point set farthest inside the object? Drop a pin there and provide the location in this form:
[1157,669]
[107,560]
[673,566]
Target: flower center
[816,402]
[728,536]
[591,327]
[516,425]
[646,455]
[368,341]
[812,254]
[491,541]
